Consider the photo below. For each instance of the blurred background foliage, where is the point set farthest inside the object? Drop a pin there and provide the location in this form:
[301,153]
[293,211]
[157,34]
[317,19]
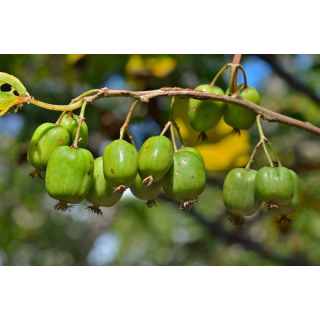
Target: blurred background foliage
[32,233]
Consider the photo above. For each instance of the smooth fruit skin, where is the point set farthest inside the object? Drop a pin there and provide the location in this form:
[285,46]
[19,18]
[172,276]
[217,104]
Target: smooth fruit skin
[69,174]
[292,206]
[274,185]
[120,163]
[47,138]
[205,114]
[186,178]
[155,158]
[193,150]
[241,118]
[145,193]
[101,194]
[238,192]
[70,122]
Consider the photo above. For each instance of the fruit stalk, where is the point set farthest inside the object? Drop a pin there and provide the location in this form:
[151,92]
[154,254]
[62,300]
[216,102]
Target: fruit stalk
[274,153]
[263,139]
[124,128]
[166,127]
[129,134]
[253,154]
[244,76]
[60,118]
[213,83]
[174,124]
[81,118]
[173,139]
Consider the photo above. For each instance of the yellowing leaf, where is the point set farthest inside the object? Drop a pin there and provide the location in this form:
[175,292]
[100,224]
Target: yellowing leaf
[74,58]
[161,66]
[222,151]
[14,83]
[135,64]
[15,96]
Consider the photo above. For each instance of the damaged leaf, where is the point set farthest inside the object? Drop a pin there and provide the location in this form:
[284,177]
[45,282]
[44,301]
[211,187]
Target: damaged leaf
[12,93]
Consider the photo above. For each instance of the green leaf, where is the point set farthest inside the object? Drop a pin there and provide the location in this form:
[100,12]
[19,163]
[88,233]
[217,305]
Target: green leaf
[15,96]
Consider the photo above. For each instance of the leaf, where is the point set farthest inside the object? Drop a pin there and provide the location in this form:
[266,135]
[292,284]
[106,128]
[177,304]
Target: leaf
[161,66]
[15,96]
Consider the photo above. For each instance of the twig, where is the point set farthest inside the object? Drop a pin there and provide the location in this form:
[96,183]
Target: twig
[236,60]
[266,114]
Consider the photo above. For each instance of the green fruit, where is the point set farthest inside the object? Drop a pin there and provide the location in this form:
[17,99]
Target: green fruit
[241,118]
[292,206]
[120,164]
[70,122]
[101,194]
[155,158]
[44,141]
[185,180]
[69,176]
[193,150]
[275,186]
[238,194]
[146,193]
[205,114]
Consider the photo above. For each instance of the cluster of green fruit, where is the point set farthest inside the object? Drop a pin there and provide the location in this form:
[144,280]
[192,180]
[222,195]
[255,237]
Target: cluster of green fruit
[205,114]
[72,174]
[244,190]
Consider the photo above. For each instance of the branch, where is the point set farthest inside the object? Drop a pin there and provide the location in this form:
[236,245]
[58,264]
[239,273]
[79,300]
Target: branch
[236,99]
[236,60]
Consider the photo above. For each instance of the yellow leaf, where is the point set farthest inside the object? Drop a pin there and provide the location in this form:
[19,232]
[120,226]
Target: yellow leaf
[161,66]
[135,64]
[74,58]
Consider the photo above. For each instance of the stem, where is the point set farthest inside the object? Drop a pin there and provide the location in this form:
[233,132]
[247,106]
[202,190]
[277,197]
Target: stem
[274,153]
[174,124]
[173,140]
[244,76]
[130,137]
[85,94]
[253,154]
[126,123]
[81,118]
[60,118]
[68,107]
[263,140]
[166,127]
[213,83]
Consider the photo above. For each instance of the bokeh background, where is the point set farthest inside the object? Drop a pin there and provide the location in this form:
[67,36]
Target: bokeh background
[32,233]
